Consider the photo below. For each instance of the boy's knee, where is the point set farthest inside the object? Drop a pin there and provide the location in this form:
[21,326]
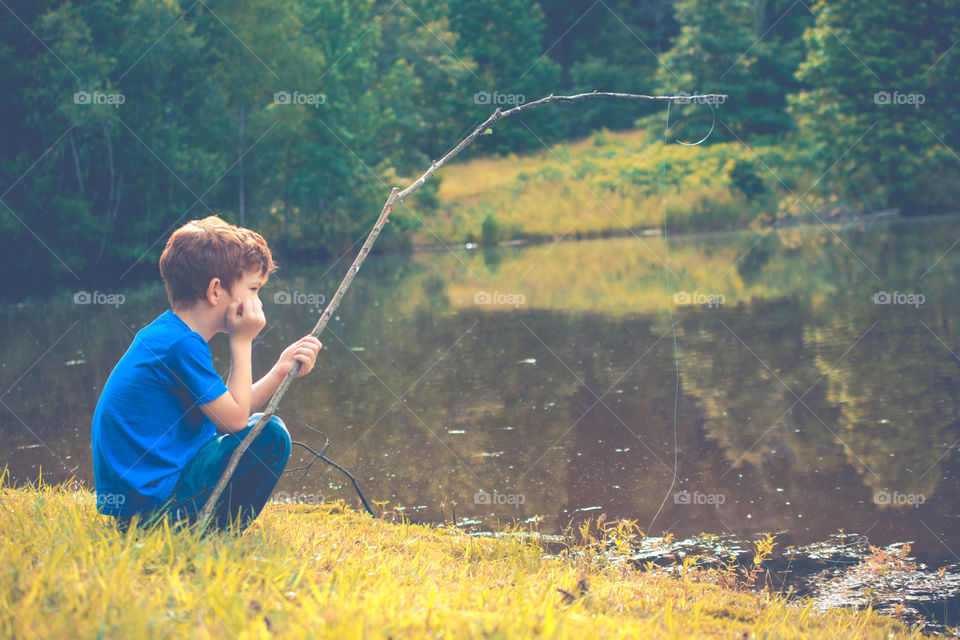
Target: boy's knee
[276,439]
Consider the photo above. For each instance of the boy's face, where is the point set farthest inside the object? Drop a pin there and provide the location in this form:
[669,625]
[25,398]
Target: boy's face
[243,289]
[248,286]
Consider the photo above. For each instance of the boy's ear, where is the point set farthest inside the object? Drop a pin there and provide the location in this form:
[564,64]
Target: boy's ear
[215,291]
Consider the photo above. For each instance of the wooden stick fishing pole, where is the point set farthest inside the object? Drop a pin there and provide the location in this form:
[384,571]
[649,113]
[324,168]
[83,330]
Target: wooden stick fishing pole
[396,196]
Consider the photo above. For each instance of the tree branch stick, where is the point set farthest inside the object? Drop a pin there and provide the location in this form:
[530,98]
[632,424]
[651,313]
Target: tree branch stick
[396,195]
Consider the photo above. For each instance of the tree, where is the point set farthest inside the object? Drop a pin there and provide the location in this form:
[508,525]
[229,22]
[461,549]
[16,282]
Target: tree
[504,39]
[88,188]
[881,100]
[747,50]
[613,46]
[289,118]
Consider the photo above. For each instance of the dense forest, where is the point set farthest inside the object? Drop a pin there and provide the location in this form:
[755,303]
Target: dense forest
[121,119]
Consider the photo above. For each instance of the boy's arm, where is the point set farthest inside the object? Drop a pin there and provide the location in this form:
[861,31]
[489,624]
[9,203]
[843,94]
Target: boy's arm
[304,351]
[231,411]
[264,388]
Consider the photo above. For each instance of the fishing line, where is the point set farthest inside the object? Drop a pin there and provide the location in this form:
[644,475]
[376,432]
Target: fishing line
[713,123]
[666,274]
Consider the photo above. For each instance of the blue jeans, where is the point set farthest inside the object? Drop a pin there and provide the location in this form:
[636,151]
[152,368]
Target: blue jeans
[246,492]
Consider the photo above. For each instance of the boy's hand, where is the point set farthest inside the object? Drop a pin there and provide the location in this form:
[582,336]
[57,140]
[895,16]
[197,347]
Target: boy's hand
[245,319]
[304,351]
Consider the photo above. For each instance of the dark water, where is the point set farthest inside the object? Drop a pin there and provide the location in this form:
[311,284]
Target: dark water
[803,407]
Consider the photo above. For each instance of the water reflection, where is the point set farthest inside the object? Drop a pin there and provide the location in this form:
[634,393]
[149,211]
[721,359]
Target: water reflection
[541,381]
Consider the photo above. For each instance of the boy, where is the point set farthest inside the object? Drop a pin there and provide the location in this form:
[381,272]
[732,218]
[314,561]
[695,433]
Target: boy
[156,448]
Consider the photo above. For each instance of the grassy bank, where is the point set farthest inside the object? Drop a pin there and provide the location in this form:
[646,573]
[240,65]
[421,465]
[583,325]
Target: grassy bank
[303,571]
[610,183]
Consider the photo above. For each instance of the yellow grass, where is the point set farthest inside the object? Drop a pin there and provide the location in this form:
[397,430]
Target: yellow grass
[327,571]
[608,183]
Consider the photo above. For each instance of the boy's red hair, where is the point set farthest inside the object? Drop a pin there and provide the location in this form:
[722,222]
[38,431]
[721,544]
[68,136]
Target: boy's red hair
[210,248]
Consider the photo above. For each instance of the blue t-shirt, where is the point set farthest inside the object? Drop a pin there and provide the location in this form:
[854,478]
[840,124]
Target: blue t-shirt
[148,425]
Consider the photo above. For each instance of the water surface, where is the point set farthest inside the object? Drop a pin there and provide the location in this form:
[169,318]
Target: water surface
[541,381]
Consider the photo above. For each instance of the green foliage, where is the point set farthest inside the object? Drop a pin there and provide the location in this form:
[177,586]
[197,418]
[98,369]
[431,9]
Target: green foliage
[744,177]
[611,46]
[488,231]
[92,190]
[878,100]
[511,66]
[734,48]
[95,188]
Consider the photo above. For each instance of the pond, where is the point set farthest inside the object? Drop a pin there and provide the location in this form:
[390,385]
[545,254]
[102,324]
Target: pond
[815,385]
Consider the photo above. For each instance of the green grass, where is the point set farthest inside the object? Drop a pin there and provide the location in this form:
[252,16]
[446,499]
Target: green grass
[327,571]
[610,183]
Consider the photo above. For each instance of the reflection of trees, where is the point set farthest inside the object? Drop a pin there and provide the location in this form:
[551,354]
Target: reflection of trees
[747,388]
[490,383]
[891,401]
[898,394]
[515,401]
[500,385]
[618,454]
